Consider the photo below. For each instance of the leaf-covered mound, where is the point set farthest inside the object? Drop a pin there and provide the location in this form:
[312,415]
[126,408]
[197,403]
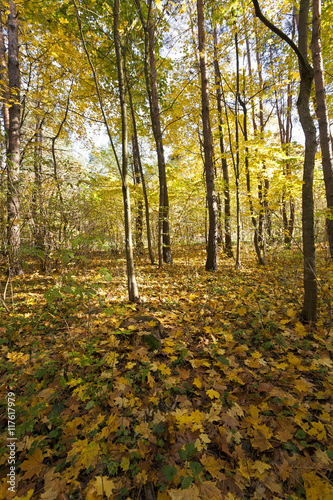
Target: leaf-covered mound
[236,402]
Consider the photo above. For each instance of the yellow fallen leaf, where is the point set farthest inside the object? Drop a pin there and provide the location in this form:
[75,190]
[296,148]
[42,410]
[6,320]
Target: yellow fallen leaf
[125,463]
[213,465]
[212,393]
[33,465]
[317,488]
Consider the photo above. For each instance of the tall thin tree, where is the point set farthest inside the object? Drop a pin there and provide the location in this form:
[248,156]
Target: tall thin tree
[212,247]
[309,310]
[13,145]
[322,114]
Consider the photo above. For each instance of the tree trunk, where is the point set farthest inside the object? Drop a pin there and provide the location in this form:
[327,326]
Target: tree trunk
[309,310]
[321,111]
[13,145]
[285,130]
[136,142]
[155,117]
[212,248]
[256,241]
[227,210]
[139,216]
[36,206]
[132,286]
[237,170]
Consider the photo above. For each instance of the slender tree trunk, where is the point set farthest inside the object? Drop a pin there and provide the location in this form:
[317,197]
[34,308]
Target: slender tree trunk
[237,169]
[248,187]
[155,116]
[227,210]
[36,206]
[5,115]
[285,130]
[321,110]
[13,145]
[212,248]
[309,310]
[139,216]
[132,286]
[4,80]
[136,143]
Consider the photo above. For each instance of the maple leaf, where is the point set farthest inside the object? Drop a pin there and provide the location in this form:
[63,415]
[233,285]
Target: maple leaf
[33,465]
[261,436]
[318,430]
[212,394]
[213,465]
[125,464]
[104,486]
[261,468]
[53,485]
[209,491]
[191,493]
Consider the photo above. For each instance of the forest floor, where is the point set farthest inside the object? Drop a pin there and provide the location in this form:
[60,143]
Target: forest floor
[236,403]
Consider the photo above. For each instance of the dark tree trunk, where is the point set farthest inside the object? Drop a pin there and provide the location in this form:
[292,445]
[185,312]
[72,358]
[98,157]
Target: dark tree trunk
[256,242]
[212,248]
[13,145]
[137,151]
[321,110]
[309,310]
[237,166]
[155,116]
[139,216]
[36,206]
[132,286]
[227,210]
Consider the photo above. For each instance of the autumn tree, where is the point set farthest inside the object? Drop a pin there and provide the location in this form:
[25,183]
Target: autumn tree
[13,144]
[309,311]
[322,114]
[212,247]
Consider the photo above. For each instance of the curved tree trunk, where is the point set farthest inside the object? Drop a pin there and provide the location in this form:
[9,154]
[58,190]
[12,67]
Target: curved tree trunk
[321,110]
[309,310]
[212,248]
[13,145]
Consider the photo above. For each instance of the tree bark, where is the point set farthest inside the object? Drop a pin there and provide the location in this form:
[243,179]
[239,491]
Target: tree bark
[212,248]
[322,114]
[309,310]
[131,280]
[225,172]
[36,205]
[155,116]
[13,145]
[136,142]
[139,215]
[256,241]
[237,169]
